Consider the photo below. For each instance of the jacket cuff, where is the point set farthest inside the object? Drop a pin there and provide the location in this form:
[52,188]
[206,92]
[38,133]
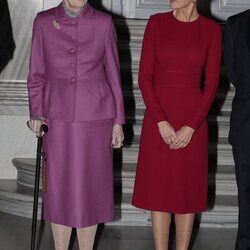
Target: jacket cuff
[38,118]
[119,121]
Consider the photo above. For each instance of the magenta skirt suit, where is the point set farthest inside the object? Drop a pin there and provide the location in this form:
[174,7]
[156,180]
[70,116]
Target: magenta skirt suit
[174,56]
[74,84]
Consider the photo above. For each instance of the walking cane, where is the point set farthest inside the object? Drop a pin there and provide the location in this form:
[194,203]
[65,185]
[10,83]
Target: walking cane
[43,129]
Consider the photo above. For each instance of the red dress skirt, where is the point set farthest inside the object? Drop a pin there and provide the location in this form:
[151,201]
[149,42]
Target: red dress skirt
[173,181]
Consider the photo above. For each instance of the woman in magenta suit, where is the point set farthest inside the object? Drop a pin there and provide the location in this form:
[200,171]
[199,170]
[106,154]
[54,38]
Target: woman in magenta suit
[74,86]
[172,171]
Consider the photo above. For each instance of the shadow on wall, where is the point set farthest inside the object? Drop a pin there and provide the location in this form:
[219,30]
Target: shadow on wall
[123,36]
[7,45]
[204,8]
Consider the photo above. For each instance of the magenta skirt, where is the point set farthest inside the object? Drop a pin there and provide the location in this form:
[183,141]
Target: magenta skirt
[78,173]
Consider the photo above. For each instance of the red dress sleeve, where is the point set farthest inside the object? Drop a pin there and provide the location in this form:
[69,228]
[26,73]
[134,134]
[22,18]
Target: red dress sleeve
[146,73]
[212,73]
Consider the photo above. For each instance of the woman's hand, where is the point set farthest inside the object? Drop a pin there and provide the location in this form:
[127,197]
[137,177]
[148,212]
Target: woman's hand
[35,125]
[117,136]
[167,132]
[183,137]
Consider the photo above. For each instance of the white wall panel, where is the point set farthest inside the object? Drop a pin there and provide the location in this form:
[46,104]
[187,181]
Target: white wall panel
[233,5]
[50,3]
[220,9]
[142,9]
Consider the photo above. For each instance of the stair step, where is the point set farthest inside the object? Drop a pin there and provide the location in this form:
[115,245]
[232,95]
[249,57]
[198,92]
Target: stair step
[130,30]
[16,199]
[136,116]
[222,132]
[220,169]
[224,176]
[134,100]
[220,154]
[218,216]
[213,143]
[20,202]
[218,128]
[223,184]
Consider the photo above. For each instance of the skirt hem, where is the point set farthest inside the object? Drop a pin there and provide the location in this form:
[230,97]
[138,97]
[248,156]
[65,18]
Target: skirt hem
[171,211]
[79,225]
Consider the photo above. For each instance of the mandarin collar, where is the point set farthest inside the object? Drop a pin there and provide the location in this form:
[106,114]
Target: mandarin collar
[60,13]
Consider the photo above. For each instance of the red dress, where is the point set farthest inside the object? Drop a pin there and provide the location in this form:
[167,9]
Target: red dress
[174,56]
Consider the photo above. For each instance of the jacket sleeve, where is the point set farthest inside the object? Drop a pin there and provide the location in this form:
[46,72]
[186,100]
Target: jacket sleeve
[229,53]
[212,74]
[36,77]
[146,74]
[112,68]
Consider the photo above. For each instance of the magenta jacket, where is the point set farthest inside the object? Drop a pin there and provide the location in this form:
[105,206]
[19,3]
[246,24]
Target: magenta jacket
[74,67]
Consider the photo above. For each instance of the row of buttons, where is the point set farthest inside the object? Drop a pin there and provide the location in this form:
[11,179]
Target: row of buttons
[72,64]
[72,51]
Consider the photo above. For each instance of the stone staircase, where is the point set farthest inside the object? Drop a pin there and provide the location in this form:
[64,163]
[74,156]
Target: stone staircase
[16,195]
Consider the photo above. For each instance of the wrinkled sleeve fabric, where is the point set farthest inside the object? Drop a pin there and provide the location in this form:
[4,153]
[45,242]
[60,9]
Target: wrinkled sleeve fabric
[229,53]
[37,70]
[146,73]
[112,68]
[212,74]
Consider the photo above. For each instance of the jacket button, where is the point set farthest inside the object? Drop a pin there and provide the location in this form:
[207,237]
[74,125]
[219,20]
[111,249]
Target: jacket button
[72,37]
[72,50]
[73,79]
[73,22]
[72,65]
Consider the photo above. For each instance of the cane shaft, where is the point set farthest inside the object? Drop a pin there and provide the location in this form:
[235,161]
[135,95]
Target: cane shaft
[36,192]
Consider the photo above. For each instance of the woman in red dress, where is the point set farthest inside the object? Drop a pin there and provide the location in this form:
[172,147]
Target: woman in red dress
[172,171]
